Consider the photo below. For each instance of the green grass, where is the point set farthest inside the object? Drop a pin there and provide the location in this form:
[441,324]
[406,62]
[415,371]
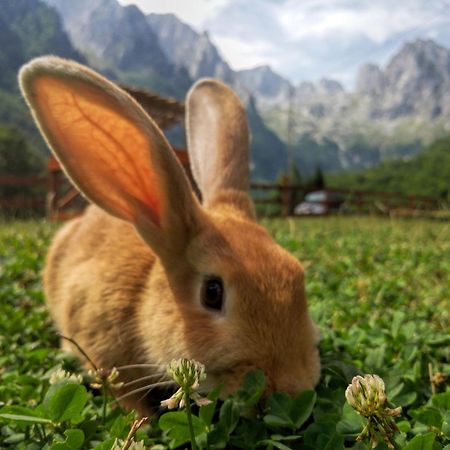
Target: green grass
[379,290]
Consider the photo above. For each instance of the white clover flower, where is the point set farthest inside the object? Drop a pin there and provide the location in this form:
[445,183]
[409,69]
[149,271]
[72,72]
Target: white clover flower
[188,374]
[61,374]
[119,445]
[104,377]
[174,401]
[366,395]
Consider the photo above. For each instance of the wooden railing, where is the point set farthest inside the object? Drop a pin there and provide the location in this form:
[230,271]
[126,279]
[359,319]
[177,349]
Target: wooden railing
[24,195]
[60,200]
[13,180]
[283,197]
[64,200]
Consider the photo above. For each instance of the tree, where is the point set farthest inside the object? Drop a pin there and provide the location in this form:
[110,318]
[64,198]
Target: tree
[17,158]
[295,178]
[317,182]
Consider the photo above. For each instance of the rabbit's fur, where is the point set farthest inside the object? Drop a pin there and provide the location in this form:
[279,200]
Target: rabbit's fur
[125,279]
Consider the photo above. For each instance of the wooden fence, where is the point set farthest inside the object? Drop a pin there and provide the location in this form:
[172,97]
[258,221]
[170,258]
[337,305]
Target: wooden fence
[52,194]
[282,198]
[59,200]
[22,195]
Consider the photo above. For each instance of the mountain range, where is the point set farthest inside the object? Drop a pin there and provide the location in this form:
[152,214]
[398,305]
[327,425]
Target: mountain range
[29,28]
[393,111]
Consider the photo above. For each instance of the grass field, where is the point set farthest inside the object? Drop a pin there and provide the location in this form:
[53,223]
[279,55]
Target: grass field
[379,290]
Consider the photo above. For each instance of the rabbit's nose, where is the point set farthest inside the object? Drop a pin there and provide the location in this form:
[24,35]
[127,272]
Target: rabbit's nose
[282,385]
[290,389]
[292,385]
[270,385]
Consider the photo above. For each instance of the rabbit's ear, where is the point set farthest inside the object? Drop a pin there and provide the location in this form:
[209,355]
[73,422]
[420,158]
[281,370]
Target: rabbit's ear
[111,149]
[218,142]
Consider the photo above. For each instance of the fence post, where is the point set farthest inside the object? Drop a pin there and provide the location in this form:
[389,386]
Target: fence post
[359,202]
[285,197]
[410,202]
[52,183]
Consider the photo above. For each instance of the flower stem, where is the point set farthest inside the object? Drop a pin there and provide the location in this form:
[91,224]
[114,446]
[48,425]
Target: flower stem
[39,429]
[189,419]
[105,401]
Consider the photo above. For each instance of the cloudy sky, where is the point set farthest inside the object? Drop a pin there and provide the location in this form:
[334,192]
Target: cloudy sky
[310,39]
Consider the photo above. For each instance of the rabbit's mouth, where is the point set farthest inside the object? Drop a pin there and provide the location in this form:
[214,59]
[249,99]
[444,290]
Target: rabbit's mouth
[277,378]
[228,378]
[213,379]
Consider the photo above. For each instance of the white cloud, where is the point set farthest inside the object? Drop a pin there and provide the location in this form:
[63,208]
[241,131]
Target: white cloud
[377,20]
[240,54]
[319,38]
[310,39]
[192,12]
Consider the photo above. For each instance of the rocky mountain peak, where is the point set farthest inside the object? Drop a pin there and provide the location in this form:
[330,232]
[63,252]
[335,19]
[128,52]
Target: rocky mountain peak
[187,48]
[308,91]
[425,47]
[306,88]
[329,86]
[405,101]
[420,58]
[418,80]
[262,81]
[116,37]
[370,80]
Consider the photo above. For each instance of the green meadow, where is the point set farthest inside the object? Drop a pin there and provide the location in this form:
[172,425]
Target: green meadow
[378,288]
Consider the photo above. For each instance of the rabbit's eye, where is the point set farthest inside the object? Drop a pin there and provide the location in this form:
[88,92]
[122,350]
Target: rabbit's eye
[212,293]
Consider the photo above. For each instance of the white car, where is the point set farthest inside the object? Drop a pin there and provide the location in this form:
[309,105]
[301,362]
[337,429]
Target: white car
[318,203]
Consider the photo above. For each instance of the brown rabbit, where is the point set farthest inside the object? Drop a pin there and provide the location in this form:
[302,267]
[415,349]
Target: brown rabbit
[149,274]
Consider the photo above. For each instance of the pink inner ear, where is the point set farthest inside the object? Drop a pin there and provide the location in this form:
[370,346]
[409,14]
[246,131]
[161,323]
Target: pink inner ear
[104,151]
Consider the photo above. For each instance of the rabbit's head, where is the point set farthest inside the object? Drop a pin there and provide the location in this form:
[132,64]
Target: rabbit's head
[222,291]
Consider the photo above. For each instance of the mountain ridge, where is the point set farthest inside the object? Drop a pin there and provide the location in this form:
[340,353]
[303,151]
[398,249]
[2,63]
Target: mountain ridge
[97,39]
[29,29]
[135,58]
[383,117]
[393,111]
[181,44]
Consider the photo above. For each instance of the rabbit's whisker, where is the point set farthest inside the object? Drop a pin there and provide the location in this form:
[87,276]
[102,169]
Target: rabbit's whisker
[139,366]
[149,386]
[148,392]
[148,377]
